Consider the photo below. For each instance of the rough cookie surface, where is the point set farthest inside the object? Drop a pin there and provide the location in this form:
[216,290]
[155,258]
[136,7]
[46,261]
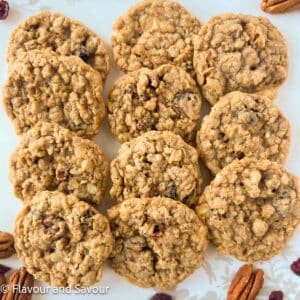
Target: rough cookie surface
[43,86]
[156,164]
[239,52]
[61,240]
[165,98]
[153,33]
[50,157]
[56,32]
[158,241]
[251,209]
[242,125]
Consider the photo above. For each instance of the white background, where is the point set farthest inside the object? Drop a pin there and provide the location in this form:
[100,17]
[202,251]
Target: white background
[210,282]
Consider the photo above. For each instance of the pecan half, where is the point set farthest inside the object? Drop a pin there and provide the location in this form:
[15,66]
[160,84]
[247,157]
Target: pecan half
[278,6]
[246,283]
[6,245]
[19,286]
[3,270]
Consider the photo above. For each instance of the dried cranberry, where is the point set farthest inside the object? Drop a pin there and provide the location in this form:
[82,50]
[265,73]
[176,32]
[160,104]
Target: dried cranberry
[276,295]
[156,231]
[4,269]
[295,266]
[161,296]
[4,8]
[83,55]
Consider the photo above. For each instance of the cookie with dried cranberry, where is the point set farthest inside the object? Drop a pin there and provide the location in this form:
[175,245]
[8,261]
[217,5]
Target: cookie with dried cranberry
[43,86]
[50,157]
[165,98]
[236,52]
[158,241]
[61,240]
[157,163]
[242,125]
[153,33]
[58,33]
[251,208]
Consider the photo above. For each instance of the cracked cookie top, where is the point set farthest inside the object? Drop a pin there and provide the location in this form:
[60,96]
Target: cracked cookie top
[242,125]
[50,157]
[157,163]
[158,241]
[251,209]
[239,52]
[165,98]
[62,241]
[153,33]
[43,86]
[58,33]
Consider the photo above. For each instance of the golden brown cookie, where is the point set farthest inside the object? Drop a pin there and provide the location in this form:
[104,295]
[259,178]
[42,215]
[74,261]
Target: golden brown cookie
[50,157]
[165,98]
[153,33]
[157,163]
[62,241]
[251,208]
[43,86]
[56,32]
[158,241]
[242,125]
[239,52]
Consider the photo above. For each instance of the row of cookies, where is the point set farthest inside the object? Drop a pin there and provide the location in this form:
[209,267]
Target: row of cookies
[63,177]
[58,174]
[57,70]
[64,242]
[231,52]
[56,232]
[59,236]
[252,206]
[251,209]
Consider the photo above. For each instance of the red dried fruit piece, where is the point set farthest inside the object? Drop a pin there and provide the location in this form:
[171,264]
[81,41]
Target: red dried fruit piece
[82,53]
[276,295]
[295,266]
[4,269]
[156,231]
[161,296]
[4,9]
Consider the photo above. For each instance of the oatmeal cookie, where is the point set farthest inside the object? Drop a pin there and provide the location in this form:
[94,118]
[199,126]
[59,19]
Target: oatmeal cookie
[158,241]
[62,241]
[242,125]
[43,86]
[239,52]
[251,209]
[153,33]
[165,98]
[157,163]
[56,32]
[51,158]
